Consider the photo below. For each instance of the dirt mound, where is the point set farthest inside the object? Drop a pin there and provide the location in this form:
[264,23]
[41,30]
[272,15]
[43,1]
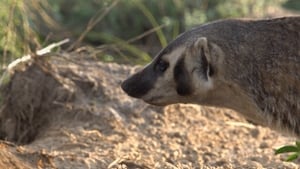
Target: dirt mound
[30,97]
[69,112]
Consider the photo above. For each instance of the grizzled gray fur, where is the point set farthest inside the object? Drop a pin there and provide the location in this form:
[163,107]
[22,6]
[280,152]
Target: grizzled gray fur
[251,66]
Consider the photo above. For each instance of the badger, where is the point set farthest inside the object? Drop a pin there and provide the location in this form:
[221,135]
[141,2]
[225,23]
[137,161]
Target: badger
[250,66]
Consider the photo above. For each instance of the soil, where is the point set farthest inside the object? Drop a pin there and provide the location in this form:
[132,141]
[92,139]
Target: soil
[68,111]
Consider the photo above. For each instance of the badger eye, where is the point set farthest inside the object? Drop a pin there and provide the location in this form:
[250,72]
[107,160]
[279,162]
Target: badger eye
[162,65]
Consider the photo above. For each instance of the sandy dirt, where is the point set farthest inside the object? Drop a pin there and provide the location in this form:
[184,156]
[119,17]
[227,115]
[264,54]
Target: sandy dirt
[70,112]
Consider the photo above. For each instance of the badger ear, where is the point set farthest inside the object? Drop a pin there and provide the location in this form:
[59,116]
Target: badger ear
[201,50]
[182,78]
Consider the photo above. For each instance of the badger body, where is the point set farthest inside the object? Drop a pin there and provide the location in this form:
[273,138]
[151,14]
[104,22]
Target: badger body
[251,66]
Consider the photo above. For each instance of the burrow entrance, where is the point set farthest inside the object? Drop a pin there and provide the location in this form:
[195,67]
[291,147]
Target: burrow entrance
[28,99]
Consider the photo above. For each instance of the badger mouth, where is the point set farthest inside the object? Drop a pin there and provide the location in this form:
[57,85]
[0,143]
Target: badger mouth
[155,100]
[160,101]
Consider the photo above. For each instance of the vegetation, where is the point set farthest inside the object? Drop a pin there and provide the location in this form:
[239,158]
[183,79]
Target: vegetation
[18,23]
[128,24]
[294,151]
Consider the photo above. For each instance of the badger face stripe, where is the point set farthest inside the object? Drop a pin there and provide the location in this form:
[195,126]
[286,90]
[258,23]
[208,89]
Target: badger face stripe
[182,78]
[143,81]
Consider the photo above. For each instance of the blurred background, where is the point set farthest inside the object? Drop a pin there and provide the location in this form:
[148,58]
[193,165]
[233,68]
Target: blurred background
[122,31]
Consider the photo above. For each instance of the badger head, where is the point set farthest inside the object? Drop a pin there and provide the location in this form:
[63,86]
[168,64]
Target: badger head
[183,72]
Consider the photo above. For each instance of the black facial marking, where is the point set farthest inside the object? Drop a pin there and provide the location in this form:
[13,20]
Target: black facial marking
[182,79]
[204,64]
[161,66]
[140,83]
[211,71]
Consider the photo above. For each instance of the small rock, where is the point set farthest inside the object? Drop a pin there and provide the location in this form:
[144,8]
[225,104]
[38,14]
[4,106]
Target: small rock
[255,133]
[264,145]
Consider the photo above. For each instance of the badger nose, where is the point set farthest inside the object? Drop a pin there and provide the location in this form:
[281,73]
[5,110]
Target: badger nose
[131,88]
[136,86]
[125,87]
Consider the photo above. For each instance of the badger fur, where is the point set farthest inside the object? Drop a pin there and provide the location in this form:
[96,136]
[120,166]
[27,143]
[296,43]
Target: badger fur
[251,66]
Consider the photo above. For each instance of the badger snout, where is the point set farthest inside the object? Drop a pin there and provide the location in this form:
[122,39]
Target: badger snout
[132,88]
[138,84]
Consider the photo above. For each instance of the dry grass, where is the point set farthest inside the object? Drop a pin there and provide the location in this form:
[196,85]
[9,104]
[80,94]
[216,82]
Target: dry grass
[17,29]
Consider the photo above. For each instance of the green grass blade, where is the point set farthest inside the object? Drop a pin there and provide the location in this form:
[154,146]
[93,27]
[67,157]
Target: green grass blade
[292,157]
[286,149]
[143,56]
[298,144]
[152,20]
[176,30]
